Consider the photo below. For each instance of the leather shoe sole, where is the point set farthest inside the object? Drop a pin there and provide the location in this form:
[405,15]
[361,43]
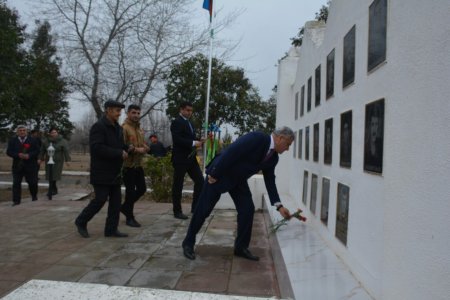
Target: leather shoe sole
[245,253]
[82,230]
[189,252]
[181,216]
[116,234]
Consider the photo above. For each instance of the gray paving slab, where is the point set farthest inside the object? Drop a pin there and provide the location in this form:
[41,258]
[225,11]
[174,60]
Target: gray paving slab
[40,241]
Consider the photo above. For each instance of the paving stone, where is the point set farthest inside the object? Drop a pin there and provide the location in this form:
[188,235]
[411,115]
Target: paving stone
[155,278]
[45,256]
[40,241]
[7,286]
[111,276]
[85,258]
[20,271]
[63,273]
[179,263]
[122,259]
[253,284]
[204,282]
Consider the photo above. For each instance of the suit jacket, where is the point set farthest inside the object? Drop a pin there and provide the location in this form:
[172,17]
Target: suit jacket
[244,158]
[106,146]
[182,137]
[15,147]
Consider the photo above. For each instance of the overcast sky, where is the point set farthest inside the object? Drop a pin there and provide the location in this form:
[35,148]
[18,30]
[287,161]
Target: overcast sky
[264,29]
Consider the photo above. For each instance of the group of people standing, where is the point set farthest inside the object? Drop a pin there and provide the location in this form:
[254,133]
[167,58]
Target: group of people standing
[28,153]
[117,152]
[116,157]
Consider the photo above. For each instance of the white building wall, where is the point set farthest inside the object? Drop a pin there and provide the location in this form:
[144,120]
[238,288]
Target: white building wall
[398,240]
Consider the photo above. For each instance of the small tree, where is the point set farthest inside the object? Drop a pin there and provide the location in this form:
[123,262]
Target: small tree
[160,172]
[322,15]
[12,56]
[44,104]
[233,99]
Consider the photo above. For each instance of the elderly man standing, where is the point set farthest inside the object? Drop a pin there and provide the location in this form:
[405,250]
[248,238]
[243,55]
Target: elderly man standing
[228,172]
[107,154]
[24,152]
[133,173]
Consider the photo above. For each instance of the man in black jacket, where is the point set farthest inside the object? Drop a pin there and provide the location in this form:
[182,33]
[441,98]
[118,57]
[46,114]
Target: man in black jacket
[24,151]
[108,151]
[184,159]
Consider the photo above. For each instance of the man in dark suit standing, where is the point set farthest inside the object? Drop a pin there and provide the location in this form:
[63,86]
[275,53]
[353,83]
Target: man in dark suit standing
[24,151]
[229,172]
[108,151]
[184,159]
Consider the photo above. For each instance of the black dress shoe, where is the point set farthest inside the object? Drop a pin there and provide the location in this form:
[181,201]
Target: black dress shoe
[15,203]
[245,253]
[34,199]
[117,233]
[132,223]
[82,230]
[188,252]
[180,216]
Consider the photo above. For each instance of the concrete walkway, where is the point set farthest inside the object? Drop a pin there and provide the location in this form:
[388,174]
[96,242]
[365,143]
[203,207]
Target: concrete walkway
[39,241]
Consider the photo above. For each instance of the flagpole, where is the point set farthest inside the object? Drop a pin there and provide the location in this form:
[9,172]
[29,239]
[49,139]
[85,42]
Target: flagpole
[208,90]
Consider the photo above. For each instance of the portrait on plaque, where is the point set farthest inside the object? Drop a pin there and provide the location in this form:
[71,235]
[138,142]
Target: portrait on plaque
[348,75]
[305,187]
[343,195]
[346,140]
[309,94]
[302,101]
[307,143]
[374,136]
[316,143]
[377,33]
[300,141]
[312,203]
[328,142]
[325,200]
[317,86]
[330,75]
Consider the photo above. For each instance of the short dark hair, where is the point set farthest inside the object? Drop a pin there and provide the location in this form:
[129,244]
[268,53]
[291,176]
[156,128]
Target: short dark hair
[52,128]
[153,135]
[184,104]
[133,106]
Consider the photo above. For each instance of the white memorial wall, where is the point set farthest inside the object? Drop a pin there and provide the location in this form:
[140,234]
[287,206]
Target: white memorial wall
[371,163]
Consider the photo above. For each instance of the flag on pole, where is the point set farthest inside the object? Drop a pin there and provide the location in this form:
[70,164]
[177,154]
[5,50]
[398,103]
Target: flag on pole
[208,5]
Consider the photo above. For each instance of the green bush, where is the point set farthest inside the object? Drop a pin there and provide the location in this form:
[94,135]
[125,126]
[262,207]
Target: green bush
[159,170]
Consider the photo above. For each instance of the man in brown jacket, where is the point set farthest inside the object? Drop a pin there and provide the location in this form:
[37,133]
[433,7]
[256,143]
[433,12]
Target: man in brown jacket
[133,173]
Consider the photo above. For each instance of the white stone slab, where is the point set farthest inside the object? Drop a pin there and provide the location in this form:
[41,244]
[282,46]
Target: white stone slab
[314,270]
[45,289]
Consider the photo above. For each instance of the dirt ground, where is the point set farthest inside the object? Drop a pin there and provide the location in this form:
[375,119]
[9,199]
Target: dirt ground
[80,162]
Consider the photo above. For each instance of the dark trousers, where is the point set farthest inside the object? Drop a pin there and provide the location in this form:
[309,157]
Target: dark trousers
[30,178]
[103,193]
[135,187]
[193,170]
[52,188]
[242,198]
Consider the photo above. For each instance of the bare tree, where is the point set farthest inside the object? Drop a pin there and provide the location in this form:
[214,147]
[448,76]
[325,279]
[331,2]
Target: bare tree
[122,49]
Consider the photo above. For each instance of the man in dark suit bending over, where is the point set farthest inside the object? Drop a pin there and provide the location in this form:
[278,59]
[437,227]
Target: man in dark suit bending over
[229,172]
[184,159]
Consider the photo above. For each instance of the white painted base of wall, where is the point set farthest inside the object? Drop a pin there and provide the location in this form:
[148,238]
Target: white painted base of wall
[257,187]
[313,269]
